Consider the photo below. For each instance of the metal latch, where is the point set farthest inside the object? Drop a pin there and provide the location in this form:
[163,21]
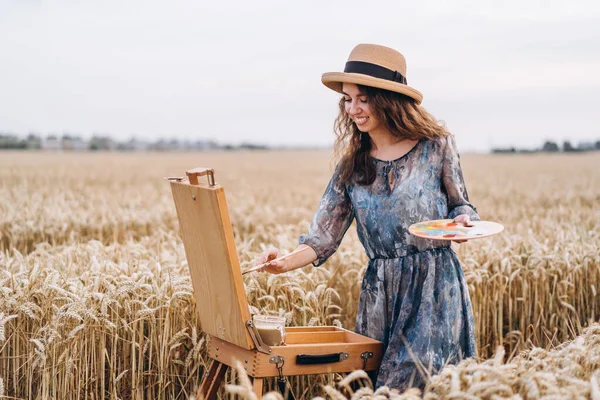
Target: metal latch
[278,361]
[365,356]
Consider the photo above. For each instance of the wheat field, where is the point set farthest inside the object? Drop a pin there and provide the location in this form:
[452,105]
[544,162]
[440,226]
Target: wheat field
[96,300]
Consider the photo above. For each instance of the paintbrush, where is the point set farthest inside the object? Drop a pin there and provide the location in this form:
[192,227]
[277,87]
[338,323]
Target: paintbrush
[257,267]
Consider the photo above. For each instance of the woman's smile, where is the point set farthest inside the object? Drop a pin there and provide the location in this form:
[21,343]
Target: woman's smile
[361,120]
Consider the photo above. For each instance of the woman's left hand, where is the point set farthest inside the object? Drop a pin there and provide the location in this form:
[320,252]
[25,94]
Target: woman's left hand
[466,221]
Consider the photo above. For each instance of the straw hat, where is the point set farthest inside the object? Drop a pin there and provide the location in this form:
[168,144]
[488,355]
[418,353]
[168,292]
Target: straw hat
[376,66]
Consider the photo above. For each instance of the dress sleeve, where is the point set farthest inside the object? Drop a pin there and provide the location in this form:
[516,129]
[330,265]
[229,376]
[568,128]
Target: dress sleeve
[331,220]
[458,199]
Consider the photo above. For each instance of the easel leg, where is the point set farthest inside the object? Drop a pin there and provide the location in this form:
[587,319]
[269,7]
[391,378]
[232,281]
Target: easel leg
[212,381]
[257,386]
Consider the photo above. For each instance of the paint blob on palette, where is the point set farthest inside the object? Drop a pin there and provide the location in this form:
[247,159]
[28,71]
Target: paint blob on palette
[447,229]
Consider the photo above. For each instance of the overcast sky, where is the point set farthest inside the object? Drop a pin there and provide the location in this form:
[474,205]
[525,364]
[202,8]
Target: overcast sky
[514,73]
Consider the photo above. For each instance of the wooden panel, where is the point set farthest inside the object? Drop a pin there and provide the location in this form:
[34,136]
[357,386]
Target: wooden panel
[314,337]
[296,329]
[228,353]
[289,352]
[213,262]
[323,334]
[353,337]
[257,364]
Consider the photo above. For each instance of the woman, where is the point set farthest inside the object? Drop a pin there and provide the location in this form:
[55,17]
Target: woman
[398,167]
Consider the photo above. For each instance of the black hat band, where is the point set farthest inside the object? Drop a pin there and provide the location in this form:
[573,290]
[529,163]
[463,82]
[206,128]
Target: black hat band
[374,70]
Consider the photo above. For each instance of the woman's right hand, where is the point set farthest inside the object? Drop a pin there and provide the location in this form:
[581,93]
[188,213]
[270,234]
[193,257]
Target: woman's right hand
[275,267]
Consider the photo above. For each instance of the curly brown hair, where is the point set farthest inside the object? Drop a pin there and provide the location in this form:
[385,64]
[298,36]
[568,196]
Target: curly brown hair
[400,115]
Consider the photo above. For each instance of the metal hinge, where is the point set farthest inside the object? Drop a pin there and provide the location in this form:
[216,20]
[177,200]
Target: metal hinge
[258,343]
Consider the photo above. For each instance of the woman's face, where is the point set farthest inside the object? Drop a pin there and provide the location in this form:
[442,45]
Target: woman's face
[357,107]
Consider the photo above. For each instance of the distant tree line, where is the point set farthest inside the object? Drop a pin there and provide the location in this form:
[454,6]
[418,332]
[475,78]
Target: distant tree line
[69,142]
[553,147]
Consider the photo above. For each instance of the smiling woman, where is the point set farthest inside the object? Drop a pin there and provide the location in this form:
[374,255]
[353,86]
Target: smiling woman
[397,167]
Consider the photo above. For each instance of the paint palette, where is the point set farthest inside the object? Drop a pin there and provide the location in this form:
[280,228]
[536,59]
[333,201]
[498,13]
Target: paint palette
[447,229]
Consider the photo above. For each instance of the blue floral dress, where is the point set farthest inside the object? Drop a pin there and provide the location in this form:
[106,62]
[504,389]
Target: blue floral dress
[414,297]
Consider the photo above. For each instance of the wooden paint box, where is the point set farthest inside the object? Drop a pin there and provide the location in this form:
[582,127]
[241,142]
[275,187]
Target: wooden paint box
[223,306]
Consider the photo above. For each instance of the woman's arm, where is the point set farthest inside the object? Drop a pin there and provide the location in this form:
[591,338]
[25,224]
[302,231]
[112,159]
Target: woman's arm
[329,225]
[305,256]
[332,219]
[454,184]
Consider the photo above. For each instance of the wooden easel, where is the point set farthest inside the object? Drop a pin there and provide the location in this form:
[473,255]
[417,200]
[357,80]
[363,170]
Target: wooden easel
[223,306]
